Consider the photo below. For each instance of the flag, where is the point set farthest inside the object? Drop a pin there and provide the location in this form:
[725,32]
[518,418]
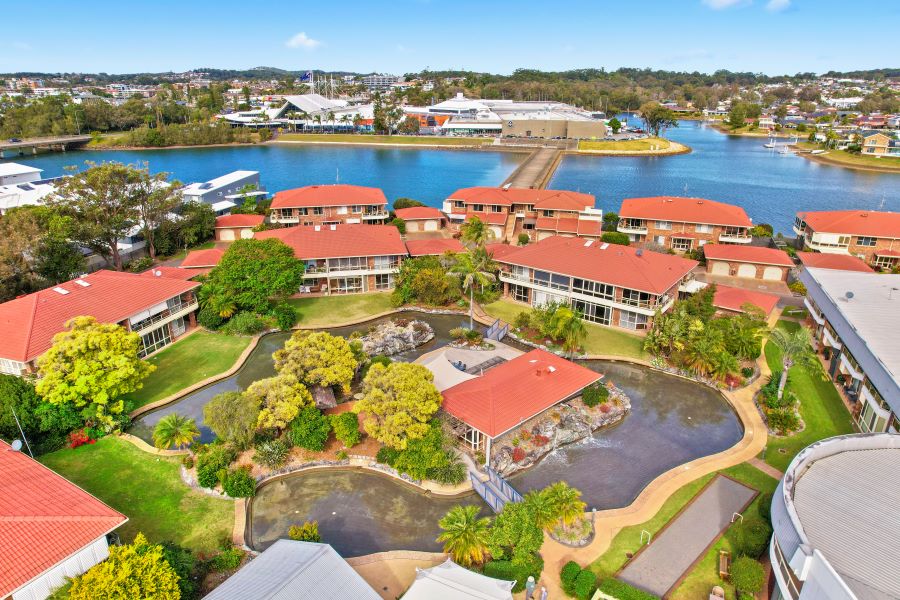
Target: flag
[306,76]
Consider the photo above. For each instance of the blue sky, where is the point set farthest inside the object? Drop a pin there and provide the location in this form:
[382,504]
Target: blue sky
[397,36]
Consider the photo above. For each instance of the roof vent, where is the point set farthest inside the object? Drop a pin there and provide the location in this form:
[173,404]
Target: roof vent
[82,283]
[864,215]
[332,227]
[604,246]
[60,291]
[699,201]
[849,296]
[318,228]
[158,273]
[639,252]
[588,243]
[551,369]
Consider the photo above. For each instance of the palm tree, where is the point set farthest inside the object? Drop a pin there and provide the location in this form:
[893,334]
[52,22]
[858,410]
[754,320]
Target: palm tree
[464,535]
[174,430]
[566,502]
[330,117]
[568,326]
[318,120]
[345,120]
[795,349]
[473,270]
[476,232]
[542,507]
[215,299]
[304,116]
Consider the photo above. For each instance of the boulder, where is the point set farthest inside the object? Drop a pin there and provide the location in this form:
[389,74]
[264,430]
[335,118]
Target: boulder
[396,336]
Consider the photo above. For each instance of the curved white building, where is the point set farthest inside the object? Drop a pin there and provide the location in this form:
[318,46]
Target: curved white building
[836,521]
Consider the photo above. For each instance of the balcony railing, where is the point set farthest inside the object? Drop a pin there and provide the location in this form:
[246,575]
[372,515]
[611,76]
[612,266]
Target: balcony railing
[632,229]
[166,315]
[381,214]
[736,238]
[828,248]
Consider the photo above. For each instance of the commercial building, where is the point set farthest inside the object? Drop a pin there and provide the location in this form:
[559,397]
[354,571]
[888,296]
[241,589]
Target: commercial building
[856,316]
[236,227]
[870,235]
[608,283]
[12,173]
[51,528]
[159,309]
[225,192]
[683,224]
[421,218]
[834,517]
[750,262]
[329,205]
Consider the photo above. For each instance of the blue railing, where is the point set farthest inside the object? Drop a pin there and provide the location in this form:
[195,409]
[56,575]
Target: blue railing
[504,486]
[497,330]
[488,495]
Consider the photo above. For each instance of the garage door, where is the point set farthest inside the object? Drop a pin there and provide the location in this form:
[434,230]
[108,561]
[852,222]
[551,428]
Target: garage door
[746,271]
[246,234]
[720,268]
[772,274]
[412,226]
[431,226]
[227,235]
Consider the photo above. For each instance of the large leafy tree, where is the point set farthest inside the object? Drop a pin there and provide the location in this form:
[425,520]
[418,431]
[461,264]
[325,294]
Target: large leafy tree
[398,402]
[318,359]
[57,260]
[175,430]
[465,535]
[657,117]
[280,399]
[795,349]
[423,280]
[515,534]
[19,235]
[91,366]
[232,416]
[156,197]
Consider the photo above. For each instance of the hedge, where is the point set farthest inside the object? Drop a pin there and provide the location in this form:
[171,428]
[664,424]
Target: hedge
[506,570]
[623,591]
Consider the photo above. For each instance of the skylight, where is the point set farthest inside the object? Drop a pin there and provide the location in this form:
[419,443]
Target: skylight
[588,243]
[60,291]
[82,283]
[604,246]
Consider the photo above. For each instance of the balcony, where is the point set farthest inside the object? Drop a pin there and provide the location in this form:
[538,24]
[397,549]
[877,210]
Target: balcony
[633,229]
[372,215]
[170,314]
[813,312]
[830,340]
[511,277]
[275,218]
[735,238]
[826,248]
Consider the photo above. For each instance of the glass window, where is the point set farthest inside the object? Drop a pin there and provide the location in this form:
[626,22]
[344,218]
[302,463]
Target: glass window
[631,320]
[593,288]
[346,285]
[478,207]
[385,262]
[865,241]
[636,298]
[495,208]
[594,313]
[352,263]
[153,341]
[664,225]
[548,213]
[318,210]
[703,228]
[384,282]
[682,244]
[519,292]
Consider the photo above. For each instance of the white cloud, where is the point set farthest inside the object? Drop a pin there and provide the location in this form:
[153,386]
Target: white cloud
[301,40]
[723,4]
[777,5]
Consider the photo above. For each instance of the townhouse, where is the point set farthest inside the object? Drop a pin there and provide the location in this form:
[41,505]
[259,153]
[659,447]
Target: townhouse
[879,143]
[867,234]
[683,224]
[538,213]
[421,218]
[344,259]
[329,205]
[236,227]
[609,284]
[159,309]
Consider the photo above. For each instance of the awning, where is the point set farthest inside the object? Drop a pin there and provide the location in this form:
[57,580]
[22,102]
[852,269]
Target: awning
[223,205]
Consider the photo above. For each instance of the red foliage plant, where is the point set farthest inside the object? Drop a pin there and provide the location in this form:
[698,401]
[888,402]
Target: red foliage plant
[79,438]
[540,440]
[518,455]
[604,408]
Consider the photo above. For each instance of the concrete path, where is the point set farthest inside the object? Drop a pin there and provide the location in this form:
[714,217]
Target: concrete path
[534,172]
[766,467]
[661,564]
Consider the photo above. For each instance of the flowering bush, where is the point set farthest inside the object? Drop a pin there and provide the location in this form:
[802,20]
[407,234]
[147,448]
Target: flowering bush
[605,408]
[518,455]
[79,438]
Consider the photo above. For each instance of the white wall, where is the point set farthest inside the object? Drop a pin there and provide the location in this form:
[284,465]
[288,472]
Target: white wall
[41,587]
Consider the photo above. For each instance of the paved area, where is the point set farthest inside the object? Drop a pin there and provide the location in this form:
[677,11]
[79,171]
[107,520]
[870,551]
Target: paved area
[766,467]
[665,560]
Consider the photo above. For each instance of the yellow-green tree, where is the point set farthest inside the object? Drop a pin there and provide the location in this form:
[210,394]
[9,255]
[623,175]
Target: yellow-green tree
[398,401]
[280,399]
[91,366]
[317,359]
[137,570]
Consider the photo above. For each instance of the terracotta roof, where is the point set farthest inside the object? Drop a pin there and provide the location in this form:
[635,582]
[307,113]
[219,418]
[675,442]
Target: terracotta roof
[732,298]
[542,199]
[44,519]
[329,195]
[434,247]
[569,225]
[489,218]
[174,272]
[202,258]
[28,323]
[334,241]
[498,250]
[622,266]
[685,210]
[748,254]
[417,213]
[239,221]
[515,391]
[887,252]
[838,262]
[854,222]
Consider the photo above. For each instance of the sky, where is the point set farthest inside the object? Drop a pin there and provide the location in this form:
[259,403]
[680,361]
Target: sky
[400,36]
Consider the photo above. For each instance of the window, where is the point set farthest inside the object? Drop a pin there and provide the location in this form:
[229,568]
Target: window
[495,208]
[683,244]
[386,262]
[478,207]
[384,282]
[636,298]
[356,209]
[318,210]
[303,211]
[523,273]
[12,367]
[346,285]
[865,241]
[660,239]
[703,228]
[547,213]
[353,263]
[885,262]
[630,320]
[593,288]
[153,341]
[519,293]
[844,240]
[459,204]
[594,313]
[664,224]
[551,280]
[285,213]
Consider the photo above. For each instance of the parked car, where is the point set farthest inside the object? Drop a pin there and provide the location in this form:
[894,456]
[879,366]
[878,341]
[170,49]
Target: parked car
[14,140]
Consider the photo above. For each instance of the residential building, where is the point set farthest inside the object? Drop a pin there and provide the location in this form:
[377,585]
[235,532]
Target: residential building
[51,528]
[291,569]
[202,259]
[834,521]
[344,259]
[434,247]
[329,205]
[732,300]
[449,581]
[16,195]
[856,315]
[751,262]
[840,262]
[174,272]
[236,227]
[509,211]
[159,309]
[609,284]
[880,143]
[421,218]
[225,192]
[379,82]
[12,173]
[683,224]
[868,234]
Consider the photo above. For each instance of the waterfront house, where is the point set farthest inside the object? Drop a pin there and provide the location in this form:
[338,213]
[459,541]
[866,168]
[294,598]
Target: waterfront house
[236,227]
[608,283]
[841,262]
[51,528]
[159,309]
[751,262]
[13,173]
[344,259]
[329,205]
[868,234]
[421,218]
[683,224]
[434,247]
[225,192]
[879,143]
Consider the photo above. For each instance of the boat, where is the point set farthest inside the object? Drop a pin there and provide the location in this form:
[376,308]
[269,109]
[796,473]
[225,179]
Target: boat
[817,152]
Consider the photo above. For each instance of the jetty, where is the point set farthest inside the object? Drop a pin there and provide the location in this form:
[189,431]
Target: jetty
[536,170]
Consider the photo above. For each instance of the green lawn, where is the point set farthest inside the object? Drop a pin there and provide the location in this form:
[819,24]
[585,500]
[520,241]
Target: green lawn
[357,138]
[148,490]
[624,145]
[842,157]
[600,339]
[334,310]
[820,407]
[196,357]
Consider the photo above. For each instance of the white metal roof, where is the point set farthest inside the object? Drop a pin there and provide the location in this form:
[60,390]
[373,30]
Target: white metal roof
[11,168]
[449,581]
[222,205]
[202,187]
[14,195]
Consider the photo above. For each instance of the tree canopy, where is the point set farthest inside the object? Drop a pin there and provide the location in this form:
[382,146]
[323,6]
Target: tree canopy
[233,417]
[318,358]
[280,399]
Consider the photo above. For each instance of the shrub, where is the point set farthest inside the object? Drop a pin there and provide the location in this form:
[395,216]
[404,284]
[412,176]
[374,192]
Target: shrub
[310,429]
[518,455]
[783,420]
[747,372]
[238,483]
[244,323]
[184,564]
[341,455]
[285,316]
[187,461]
[378,359]
[271,453]
[209,318]
[750,536]
[210,461]
[798,288]
[474,336]
[79,437]
[458,333]
[400,224]
[522,320]
[346,428]
[764,507]
[585,584]
[747,575]
[140,264]
[616,237]
[504,569]
[387,455]
[227,560]
[623,591]
[594,394]
[568,575]
[524,239]
[307,532]
[540,440]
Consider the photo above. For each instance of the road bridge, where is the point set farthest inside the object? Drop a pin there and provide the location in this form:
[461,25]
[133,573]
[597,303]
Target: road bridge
[60,143]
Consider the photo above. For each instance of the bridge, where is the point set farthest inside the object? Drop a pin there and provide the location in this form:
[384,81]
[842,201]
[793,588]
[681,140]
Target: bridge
[59,143]
[536,170]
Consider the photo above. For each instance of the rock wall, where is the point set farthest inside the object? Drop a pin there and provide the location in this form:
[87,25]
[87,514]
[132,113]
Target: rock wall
[396,336]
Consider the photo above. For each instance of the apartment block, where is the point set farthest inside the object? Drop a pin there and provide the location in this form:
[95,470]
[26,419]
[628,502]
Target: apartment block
[870,235]
[329,205]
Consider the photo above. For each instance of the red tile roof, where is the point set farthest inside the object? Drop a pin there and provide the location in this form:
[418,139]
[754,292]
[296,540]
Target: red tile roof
[569,225]
[202,258]
[748,254]
[838,262]
[499,250]
[174,272]
[489,218]
[44,519]
[28,323]
[239,221]
[542,199]
[418,213]
[329,195]
[515,391]
[617,265]
[854,222]
[685,210]
[434,247]
[732,298]
[894,252]
[334,241]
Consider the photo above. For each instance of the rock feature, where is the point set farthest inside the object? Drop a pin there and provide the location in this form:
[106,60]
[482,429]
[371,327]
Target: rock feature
[396,336]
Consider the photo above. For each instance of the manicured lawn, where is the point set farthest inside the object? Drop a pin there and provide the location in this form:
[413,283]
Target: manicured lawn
[820,407]
[196,357]
[624,145]
[334,310]
[383,139]
[599,340]
[842,157]
[148,490]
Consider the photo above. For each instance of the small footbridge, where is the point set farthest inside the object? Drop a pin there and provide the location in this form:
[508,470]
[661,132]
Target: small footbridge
[495,490]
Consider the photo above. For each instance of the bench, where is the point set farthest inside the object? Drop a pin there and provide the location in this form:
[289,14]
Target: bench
[724,563]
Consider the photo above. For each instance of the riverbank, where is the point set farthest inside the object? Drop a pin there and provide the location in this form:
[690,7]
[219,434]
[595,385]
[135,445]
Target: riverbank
[642,147]
[748,132]
[397,141]
[842,158]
